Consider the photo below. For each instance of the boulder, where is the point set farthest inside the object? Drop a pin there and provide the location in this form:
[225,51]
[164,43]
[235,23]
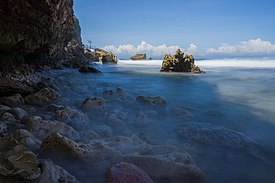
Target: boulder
[93,104]
[43,128]
[215,135]
[139,57]
[54,173]
[125,172]
[89,69]
[9,86]
[17,161]
[15,100]
[4,108]
[27,139]
[43,97]
[151,100]
[180,63]
[75,118]
[3,130]
[8,118]
[18,113]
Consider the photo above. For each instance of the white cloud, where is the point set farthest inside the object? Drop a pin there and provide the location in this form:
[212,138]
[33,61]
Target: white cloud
[150,50]
[253,46]
[192,48]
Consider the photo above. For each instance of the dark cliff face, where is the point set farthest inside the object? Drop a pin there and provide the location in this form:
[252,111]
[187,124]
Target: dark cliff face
[32,29]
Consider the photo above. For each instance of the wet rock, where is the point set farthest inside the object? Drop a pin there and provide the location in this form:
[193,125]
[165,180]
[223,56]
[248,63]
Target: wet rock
[27,139]
[3,130]
[15,100]
[116,119]
[58,144]
[118,94]
[43,128]
[8,118]
[215,135]
[4,108]
[141,120]
[43,97]
[139,57]
[11,86]
[93,104]
[18,113]
[75,118]
[104,56]
[104,131]
[180,63]
[54,173]
[17,161]
[181,113]
[89,69]
[125,172]
[151,101]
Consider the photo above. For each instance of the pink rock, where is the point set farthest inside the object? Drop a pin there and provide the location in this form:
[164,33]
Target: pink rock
[127,173]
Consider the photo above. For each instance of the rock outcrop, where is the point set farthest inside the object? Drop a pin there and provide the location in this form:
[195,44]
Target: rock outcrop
[180,63]
[35,30]
[139,57]
[103,56]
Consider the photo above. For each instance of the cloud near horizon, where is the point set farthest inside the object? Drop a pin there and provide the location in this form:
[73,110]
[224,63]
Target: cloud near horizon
[246,48]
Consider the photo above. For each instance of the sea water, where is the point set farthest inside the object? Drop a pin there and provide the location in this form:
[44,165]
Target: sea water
[236,94]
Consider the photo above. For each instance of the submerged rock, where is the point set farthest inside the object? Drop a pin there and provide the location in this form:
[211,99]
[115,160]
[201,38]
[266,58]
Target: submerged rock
[93,104]
[180,63]
[139,57]
[151,101]
[125,173]
[89,69]
[54,174]
[43,97]
[215,135]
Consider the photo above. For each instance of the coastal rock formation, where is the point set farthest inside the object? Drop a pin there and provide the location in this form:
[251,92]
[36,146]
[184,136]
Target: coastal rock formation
[43,128]
[11,86]
[27,139]
[125,172]
[13,100]
[139,57]
[180,63]
[54,173]
[43,97]
[41,31]
[93,104]
[215,135]
[89,69]
[17,161]
[103,56]
[151,101]
[162,163]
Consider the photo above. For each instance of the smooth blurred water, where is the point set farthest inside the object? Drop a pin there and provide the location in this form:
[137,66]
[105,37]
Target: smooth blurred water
[237,94]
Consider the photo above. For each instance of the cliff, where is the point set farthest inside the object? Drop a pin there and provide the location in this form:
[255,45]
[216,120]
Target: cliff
[36,31]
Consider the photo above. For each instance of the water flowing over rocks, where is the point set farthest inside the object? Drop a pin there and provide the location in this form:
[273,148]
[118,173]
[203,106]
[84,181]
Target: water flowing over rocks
[180,63]
[54,173]
[215,135]
[125,172]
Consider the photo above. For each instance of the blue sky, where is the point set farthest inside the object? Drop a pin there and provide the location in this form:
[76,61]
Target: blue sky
[203,24]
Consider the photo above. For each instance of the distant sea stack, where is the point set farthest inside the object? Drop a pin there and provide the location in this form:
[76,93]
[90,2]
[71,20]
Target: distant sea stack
[103,56]
[139,57]
[180,63]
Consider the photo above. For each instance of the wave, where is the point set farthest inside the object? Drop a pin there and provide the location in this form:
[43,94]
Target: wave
[238,63]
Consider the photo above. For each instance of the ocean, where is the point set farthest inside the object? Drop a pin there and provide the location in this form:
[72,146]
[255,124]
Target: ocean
[233,95]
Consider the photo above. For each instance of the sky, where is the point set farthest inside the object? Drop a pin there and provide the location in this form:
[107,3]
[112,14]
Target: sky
[206,28]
